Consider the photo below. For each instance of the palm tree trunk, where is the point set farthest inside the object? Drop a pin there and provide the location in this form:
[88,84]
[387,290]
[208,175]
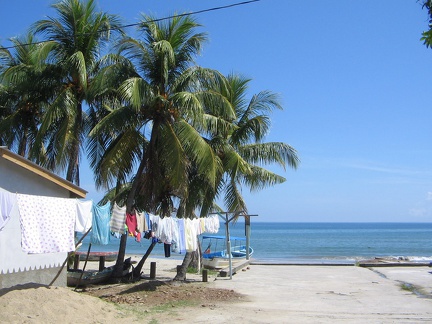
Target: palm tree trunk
[137,271]
[73,164]
[72,174]
[181,273]
[118,269]
[191,259]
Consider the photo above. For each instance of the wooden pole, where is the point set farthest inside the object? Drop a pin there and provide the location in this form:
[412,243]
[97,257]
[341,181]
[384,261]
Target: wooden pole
[152,270]
[228,243]
[101,262]
[66,261]
[247,229]
[85,264]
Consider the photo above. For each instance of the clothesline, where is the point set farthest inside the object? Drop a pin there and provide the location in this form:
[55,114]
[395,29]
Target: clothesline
[48,224]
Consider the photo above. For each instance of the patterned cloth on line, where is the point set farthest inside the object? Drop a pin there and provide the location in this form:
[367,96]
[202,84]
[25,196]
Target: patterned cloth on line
[47,223]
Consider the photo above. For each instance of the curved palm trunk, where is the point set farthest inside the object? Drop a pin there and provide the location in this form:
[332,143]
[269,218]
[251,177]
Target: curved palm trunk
[138,268]
[118,269]
[23,145]
[190,260]
[181,273]
[72,174]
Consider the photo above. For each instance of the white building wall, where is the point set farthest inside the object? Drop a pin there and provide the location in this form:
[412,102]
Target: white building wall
[14,178]
[17,267]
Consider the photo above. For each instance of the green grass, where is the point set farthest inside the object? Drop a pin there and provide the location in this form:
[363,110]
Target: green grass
[419,291]
[150,314]
[408,287]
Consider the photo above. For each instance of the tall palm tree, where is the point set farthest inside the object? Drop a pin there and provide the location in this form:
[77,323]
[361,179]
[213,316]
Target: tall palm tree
[238,143]
[151,138]
[73,45]
[244,152]
[154,128]
[26,88]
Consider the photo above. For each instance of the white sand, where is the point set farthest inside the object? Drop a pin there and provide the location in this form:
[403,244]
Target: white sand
[276,294]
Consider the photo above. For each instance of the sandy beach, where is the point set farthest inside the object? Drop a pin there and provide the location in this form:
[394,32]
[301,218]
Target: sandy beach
[269,294]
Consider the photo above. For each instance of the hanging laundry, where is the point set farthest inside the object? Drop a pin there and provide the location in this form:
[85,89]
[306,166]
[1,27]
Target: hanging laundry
[100,233]
[47,223]
[212,224]
[154,224]
[147,226]
[182,235]
[132,225]
[202,221]
[191,234]
[140,222]
[196,222]
[161,232]
[174,229]
[7,201]
[175,235]
[118,217]
[84,216]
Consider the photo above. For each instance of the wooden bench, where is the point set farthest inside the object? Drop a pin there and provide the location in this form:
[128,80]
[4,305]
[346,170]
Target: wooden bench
[94,256]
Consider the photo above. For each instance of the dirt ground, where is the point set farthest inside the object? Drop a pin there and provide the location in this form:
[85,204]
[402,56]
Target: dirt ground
[157,293]
[257,294]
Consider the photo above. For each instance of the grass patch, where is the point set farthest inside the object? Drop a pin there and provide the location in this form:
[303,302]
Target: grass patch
[191,270]
[168,307]
[150,314]
[408,287]
[209,272]
[419,291]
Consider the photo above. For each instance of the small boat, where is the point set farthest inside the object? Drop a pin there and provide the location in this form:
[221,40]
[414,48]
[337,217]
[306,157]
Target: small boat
[88,277]
[80,278]
[215,255]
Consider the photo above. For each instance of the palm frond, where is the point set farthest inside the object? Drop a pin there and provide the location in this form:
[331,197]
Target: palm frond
[260,179]
[270,152]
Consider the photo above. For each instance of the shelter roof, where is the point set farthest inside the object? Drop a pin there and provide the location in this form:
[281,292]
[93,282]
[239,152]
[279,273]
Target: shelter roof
[17,159]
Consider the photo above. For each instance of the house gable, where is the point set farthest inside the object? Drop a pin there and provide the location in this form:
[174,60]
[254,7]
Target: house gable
[21,175]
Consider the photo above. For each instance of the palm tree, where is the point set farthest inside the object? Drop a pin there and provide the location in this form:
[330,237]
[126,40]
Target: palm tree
[26,88]
[244,153]
[239,145]
[73,45]
[427,35]
[151,138]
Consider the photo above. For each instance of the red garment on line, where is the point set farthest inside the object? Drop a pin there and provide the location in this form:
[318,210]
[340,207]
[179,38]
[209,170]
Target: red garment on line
[131,223]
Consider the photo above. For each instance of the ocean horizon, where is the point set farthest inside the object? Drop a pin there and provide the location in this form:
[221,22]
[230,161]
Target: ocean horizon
[314,241]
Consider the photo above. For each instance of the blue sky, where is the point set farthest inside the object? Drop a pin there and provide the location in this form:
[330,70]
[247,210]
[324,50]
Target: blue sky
[354,80]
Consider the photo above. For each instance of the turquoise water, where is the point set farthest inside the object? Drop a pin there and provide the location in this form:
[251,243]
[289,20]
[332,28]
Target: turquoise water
[318,241]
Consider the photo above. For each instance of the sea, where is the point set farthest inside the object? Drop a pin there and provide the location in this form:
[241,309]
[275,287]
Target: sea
[314,242]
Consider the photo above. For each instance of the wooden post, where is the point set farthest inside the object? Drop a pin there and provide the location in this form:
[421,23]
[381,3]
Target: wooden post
[204,275]
[248,232]
[76,261]
[101,263]
[152,270]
